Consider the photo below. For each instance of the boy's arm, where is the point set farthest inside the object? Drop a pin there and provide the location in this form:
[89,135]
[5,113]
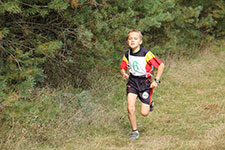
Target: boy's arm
[124,74]
[123,67]
[160,71]
[158,75]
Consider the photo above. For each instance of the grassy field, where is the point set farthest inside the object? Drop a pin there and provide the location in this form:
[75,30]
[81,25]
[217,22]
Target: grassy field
[189,113]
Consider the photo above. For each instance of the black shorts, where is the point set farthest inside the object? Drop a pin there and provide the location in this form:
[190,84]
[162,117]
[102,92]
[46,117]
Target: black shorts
[141,87]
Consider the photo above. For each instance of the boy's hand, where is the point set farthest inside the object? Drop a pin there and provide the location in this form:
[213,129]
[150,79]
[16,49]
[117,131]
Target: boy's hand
[125,76]
[154,84]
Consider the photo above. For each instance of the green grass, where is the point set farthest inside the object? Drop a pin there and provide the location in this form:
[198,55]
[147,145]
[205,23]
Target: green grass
[189,113]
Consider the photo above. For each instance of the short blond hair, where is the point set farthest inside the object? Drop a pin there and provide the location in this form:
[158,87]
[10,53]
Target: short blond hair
[137,31]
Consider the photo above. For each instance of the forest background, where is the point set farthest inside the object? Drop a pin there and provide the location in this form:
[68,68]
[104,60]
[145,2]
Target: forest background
[58,57]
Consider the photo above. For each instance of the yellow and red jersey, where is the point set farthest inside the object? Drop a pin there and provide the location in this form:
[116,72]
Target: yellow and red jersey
[140,63]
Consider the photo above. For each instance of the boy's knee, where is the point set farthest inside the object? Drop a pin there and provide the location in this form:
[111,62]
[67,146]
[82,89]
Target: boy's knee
[144,113]
[131,110]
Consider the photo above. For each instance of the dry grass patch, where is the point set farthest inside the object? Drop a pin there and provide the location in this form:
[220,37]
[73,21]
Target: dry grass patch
[189,113]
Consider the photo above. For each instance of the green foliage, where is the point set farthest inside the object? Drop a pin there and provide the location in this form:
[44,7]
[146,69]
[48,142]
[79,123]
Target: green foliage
[3,90]
[11,7]
[62,41]
[58,5]
[49,49]
[3,33]
[26,87]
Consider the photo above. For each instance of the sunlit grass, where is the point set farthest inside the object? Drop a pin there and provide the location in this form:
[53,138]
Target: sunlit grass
[189,113]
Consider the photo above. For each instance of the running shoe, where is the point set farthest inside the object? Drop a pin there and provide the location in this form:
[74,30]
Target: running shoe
[134,135]
[152,106]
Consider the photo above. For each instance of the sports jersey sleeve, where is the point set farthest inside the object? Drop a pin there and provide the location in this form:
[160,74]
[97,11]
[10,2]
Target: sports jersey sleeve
[153,60]
[124,63]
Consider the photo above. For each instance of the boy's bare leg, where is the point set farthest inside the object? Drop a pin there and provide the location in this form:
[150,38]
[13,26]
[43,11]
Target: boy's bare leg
[131,100]
[145,108]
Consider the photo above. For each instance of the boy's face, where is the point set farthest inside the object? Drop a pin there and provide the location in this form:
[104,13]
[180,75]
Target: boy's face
[134,40]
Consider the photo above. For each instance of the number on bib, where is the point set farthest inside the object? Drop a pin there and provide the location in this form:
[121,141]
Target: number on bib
[135,66]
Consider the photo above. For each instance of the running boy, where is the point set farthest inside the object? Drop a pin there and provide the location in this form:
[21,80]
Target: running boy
[140,62]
